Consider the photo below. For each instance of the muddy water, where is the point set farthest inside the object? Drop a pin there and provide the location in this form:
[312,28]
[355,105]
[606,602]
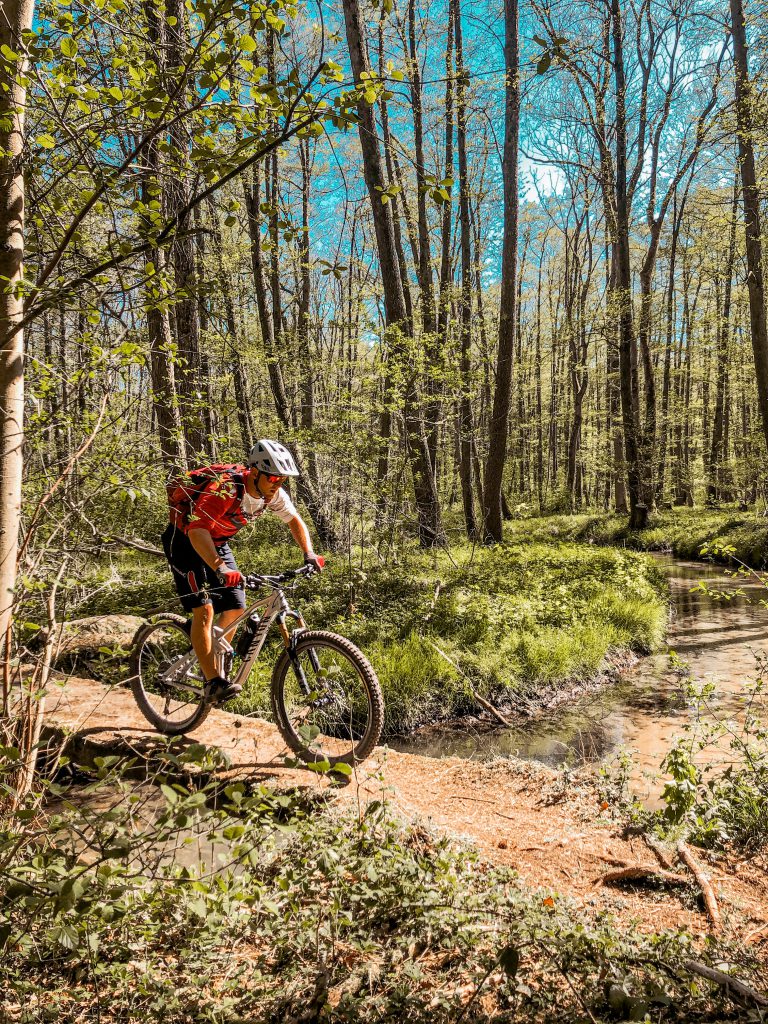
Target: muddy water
[719,639]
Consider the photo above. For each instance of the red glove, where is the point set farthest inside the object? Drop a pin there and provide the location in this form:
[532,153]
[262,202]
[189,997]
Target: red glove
[230,577]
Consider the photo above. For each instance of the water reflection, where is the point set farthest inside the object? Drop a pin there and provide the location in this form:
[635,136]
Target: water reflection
[719,638]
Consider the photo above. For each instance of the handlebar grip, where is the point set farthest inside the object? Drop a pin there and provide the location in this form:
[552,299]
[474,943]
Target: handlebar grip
[222,578]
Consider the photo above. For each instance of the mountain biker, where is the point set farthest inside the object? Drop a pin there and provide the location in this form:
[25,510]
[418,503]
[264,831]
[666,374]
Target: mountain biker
[216,502]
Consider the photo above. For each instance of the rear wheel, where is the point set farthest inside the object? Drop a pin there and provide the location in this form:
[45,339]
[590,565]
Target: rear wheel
[166,679]
[326,699]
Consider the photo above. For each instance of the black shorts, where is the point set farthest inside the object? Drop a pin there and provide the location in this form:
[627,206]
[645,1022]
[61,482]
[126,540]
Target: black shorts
[196,583]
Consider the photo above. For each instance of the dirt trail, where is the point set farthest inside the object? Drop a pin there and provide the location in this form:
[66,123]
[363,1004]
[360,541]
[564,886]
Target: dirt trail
[559,840]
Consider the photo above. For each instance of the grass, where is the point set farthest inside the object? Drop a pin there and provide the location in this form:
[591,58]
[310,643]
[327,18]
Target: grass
[683,531]
[506,620]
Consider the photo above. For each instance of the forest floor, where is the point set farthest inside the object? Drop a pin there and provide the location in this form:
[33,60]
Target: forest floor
[717,534]
[557,831]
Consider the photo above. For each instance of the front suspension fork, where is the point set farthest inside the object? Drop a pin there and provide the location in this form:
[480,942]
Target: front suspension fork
[289,639]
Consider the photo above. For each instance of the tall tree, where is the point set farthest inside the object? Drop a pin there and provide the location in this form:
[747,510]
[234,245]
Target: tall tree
[623,287]
[497,432]
[191,384]
[717,483]
[431,530]
[466,431]
[751,202]
[15,21]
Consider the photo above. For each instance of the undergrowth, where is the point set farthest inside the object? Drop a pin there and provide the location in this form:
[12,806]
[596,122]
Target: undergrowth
[124,902]
[683,531]
[504,620]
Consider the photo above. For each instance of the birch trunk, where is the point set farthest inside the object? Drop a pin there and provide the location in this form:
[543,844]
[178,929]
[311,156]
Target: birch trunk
[16,19]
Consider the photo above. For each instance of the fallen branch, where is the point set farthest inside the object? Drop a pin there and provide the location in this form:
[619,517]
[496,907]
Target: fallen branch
[480,700]
[137,545]
[703,882]
[659,852]
[731,985]
[636,872]
[755,935]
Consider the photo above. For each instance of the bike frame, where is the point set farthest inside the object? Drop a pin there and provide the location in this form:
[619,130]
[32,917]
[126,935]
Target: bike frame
[276,608]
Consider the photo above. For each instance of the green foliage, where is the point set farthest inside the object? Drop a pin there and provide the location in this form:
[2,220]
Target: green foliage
[683,531]
[505,619]
[124,902]
[720,799]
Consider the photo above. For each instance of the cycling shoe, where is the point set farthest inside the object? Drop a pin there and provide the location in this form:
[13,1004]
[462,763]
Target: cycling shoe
[218,691]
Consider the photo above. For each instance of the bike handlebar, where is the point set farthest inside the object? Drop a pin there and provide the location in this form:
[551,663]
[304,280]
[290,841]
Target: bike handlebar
[253,580]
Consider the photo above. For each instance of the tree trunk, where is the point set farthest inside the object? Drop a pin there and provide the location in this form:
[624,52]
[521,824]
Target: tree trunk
[623,293]
[677,219]
[183,249]
[751,201]
[307,491]
[274,369]
[424,266]
[239,377]
[429,519]
[306,368]
[465,407]
[389,153]
[538,408]
[16,20]
[717,472]
[497,433]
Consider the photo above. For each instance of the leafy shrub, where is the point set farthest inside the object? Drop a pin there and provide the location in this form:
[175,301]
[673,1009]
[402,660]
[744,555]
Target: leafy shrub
[126,902]
[720,800]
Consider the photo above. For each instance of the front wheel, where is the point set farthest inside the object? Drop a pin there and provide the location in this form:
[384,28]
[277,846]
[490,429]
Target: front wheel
[166,679]
[326,699]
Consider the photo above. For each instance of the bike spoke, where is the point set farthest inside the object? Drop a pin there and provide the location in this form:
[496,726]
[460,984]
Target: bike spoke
[174,701]
[333,715]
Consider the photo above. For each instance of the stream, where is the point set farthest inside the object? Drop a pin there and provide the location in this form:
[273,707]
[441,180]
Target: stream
[718,639]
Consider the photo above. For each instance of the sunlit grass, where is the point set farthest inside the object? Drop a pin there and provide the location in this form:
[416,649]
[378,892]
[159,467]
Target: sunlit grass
[503,620]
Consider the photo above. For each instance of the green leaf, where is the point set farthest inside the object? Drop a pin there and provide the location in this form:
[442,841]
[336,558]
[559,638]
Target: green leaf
[544,62]
[46,141]
[199,907]
[170,794]
[68,46]
[115,92]
[247,43]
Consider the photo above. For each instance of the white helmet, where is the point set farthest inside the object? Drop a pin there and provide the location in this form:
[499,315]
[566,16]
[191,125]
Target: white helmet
[272,458]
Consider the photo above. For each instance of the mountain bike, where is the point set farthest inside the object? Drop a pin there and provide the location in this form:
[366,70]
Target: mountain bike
[326,700]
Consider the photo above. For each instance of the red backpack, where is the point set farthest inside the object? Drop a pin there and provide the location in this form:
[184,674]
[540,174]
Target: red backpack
[183,491]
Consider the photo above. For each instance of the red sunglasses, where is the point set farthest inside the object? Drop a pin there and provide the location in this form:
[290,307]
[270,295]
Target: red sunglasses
[275,479]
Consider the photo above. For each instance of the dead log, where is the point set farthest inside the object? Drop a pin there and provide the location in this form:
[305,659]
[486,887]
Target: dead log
[731,985]
[703,882]
[641,872]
